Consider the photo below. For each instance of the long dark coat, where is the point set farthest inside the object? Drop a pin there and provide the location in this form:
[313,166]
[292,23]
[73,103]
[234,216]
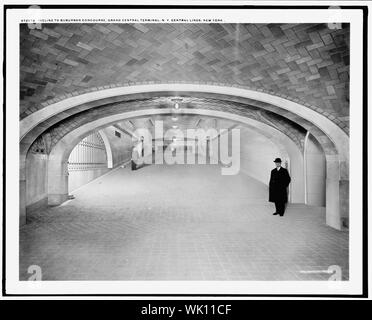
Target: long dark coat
[279,181]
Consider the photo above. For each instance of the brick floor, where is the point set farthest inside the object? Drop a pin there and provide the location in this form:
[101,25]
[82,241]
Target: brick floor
[179,223]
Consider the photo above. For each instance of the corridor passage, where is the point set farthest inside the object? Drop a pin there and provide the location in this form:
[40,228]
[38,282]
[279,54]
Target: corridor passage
[181,222]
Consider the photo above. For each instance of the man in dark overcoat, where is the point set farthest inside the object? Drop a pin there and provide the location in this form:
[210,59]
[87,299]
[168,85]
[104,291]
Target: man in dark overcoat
[279,181]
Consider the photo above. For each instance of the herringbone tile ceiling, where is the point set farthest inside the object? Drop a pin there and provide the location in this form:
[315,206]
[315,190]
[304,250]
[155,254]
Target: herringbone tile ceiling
[309,62]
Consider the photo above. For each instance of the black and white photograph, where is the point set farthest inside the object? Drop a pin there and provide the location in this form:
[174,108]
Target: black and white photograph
[184,151]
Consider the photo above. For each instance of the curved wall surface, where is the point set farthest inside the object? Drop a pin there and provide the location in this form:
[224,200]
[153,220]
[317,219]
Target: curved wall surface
[315,173]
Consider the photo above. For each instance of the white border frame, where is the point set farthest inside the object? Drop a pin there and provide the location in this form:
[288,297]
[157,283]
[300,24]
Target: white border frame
[353,286]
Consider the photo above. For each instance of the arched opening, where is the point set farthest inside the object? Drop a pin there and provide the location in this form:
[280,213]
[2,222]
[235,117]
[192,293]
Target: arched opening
[333,140]
[60,152]
[87,161]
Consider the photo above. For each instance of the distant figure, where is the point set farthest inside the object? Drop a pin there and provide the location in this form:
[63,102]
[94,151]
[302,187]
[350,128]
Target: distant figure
[142,146]
[138,153]
[279,181]
[135,157]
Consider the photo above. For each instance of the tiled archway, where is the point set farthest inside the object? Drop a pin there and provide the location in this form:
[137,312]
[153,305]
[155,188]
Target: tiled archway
[332,138]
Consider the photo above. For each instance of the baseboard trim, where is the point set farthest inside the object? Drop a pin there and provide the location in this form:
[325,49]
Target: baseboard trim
[101,176]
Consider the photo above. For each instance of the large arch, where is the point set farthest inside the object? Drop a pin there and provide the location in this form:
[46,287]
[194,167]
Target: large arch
[335,133]
[333,139]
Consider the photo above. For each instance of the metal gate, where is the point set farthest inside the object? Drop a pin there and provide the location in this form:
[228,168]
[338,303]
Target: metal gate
[88,154]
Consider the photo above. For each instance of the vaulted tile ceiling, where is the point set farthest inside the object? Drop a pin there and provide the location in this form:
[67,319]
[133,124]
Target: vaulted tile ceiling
[309,62]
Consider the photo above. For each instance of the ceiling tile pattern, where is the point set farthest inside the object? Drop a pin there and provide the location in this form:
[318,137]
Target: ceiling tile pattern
[302,62]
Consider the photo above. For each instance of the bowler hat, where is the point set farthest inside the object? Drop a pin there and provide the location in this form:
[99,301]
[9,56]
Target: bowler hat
[278,160]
